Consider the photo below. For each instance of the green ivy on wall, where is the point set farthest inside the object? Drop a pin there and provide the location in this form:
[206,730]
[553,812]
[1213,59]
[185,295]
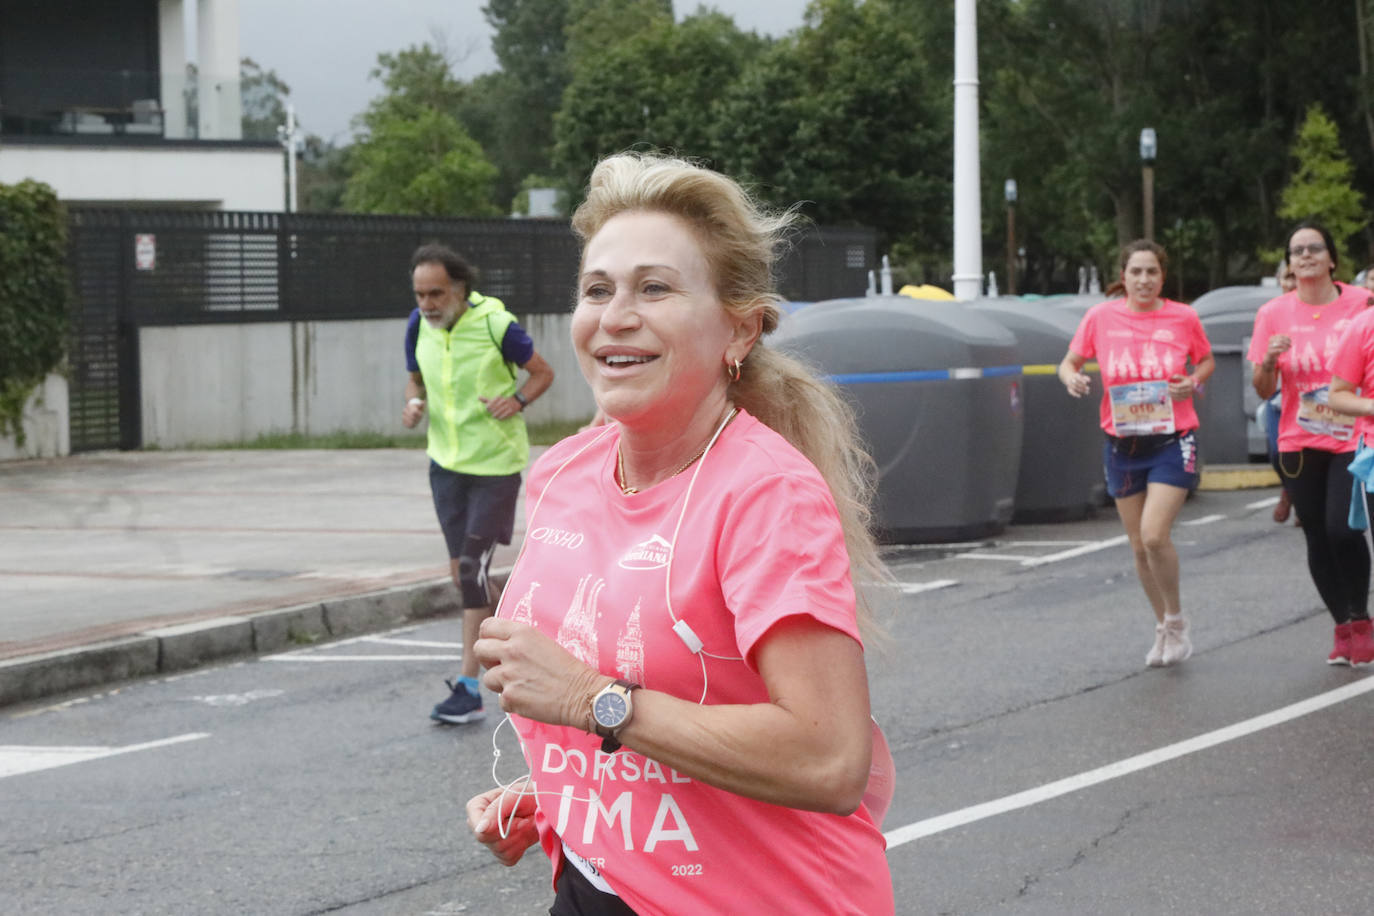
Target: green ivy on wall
[34,295]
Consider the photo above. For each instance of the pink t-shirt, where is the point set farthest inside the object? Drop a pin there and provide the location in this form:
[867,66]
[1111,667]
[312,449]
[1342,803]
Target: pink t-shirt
[1354,362]
[1138,353]
[760,541]
[1305,369]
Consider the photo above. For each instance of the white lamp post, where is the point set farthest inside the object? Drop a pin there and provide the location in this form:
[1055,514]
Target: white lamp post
[968,238]
[287,136]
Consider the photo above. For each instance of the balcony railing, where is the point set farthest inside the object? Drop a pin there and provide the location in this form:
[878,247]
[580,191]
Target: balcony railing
[112,103]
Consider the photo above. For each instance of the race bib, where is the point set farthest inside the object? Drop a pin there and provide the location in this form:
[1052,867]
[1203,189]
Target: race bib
[1142,409]
[1316,416]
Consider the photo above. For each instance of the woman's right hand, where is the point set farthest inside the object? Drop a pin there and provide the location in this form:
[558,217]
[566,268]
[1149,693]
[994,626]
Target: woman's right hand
[488,812]
[1077,383]
[1278,343]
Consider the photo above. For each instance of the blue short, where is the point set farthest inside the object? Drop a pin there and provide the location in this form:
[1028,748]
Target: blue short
[469,505]
[1132,463]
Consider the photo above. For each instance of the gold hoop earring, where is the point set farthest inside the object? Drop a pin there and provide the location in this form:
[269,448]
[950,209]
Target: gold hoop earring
[733,371]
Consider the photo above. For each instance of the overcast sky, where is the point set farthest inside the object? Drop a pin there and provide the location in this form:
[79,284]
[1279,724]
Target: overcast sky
[324,49]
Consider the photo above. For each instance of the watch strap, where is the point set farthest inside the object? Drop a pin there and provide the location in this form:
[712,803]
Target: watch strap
[524,401]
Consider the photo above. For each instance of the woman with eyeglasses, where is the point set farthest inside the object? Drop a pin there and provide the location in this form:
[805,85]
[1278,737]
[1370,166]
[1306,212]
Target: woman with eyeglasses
[1294,346]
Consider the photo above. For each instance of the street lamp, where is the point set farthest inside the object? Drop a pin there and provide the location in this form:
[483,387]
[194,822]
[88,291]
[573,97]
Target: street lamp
[1009,190]
[1149,148]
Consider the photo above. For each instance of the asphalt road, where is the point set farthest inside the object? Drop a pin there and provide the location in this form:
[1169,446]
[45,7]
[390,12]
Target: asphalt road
[1041,767]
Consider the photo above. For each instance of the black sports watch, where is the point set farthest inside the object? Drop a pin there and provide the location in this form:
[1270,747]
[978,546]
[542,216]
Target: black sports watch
[524,401]
[611,711]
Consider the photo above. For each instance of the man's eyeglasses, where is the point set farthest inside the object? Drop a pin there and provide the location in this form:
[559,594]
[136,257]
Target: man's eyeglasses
[1298,251]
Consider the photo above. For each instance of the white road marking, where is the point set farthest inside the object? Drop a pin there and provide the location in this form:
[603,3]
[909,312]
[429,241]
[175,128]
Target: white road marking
[914,588]
[18,758]
[238,699]
[1090,547]
[943,822]
[1263,503]
[1045,543]
[1011,557]
[419,643]
[362,658]
[1205,520]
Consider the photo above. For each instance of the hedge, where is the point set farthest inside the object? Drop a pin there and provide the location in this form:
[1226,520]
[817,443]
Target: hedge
[34,295]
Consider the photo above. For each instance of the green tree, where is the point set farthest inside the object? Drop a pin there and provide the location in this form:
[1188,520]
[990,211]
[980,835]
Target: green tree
[322,175]
[510,112]
[413,155]
[416,79]
[264,96]
[657,88]
[845,115]
[593,24]
[424,164]
[1069,84]
[1321,188]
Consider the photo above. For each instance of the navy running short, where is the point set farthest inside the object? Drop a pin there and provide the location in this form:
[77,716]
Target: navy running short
[467,504]
[1132,463]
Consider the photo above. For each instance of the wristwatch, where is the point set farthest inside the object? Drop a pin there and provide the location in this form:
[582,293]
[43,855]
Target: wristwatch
[524,401]
[611,711]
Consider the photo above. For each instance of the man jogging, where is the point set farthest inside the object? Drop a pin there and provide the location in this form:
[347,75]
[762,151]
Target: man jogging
[462,353]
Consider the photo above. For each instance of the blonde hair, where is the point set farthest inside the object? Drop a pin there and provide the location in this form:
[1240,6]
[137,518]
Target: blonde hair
[739,240]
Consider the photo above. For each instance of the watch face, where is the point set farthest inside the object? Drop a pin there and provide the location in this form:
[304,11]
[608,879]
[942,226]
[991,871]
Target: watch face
[610,710]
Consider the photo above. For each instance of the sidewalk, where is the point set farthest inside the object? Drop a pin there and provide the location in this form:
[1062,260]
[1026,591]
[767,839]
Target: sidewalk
[120,565]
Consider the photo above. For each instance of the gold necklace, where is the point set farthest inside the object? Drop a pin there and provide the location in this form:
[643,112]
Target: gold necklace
[620,458]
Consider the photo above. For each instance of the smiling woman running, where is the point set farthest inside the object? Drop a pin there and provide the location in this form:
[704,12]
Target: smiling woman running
[1294,344]
[678,644]
[1144,344]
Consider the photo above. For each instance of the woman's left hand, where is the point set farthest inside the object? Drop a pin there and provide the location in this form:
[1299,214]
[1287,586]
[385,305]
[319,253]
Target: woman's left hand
[503,821]
[534,676]
[1181,387]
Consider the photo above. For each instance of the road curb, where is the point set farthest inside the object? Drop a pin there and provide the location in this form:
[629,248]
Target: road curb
[1237,477]
[169,649]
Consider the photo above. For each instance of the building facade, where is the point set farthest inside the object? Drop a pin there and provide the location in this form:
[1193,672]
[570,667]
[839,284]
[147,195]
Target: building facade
[97,101]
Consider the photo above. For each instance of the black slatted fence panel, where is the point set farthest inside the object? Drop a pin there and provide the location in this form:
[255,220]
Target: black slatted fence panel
[228,266]
[93,351]
[217,266]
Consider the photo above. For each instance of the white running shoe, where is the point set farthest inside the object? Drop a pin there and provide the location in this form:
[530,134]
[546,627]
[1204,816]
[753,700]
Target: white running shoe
[1155,657]
[1177,646]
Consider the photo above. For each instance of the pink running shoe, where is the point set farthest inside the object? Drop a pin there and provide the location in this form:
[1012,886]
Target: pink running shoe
[1340,654]
[1361,642]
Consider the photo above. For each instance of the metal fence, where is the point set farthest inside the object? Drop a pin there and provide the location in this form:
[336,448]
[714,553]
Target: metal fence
[135,268]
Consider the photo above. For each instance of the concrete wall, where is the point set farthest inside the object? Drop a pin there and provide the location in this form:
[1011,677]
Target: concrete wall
[214,178]
[47,424]
[207,384]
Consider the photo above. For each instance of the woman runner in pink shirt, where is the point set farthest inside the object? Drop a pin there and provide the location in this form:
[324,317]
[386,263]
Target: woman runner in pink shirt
[1144,345]
[678,642]
[1295,344]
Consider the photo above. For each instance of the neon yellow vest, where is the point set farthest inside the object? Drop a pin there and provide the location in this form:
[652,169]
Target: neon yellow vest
[458,366]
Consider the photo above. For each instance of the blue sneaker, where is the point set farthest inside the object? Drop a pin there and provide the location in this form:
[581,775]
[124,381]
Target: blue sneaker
[461,707]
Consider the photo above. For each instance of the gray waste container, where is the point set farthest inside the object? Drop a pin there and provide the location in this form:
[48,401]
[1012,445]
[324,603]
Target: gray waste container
[1234,299]
[1227,431]
[1060,477]
[1076,305]
[936,388]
